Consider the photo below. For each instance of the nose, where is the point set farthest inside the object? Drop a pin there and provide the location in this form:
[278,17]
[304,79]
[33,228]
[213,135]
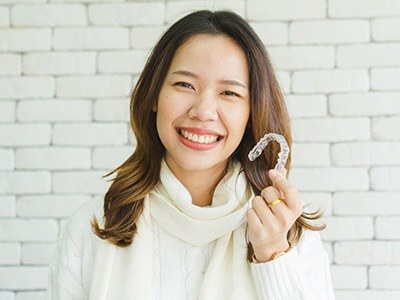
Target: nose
[204,108]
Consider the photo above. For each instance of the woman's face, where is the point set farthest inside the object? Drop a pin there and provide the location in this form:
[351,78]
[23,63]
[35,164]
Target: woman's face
[204,104]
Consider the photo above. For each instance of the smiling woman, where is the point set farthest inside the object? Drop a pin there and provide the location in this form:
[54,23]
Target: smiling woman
[188,215]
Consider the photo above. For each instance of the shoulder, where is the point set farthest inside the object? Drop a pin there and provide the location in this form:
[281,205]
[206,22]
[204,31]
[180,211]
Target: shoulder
[78,229]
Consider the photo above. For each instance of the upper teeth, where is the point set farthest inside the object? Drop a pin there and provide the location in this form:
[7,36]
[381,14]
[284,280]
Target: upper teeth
[202,139]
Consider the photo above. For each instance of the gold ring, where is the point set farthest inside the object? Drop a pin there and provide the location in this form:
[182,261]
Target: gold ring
[276,201]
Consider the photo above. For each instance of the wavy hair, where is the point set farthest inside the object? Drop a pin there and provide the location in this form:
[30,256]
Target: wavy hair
[138,175]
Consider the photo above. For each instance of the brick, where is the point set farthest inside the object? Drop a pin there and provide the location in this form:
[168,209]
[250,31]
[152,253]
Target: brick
[54,158]
[53,206]
[6,295]
[89,134]
[365,104]
[10,254]
[21,1]
[63,224]
[48,15]
[4,17]
[318,201]
[88,182]
[368,55]
[7,113]
[284,81]
[21,182]
[10,63]
[367,253]
[363,8]
[130,62]
[39,295]
[383,128]
[99,86]
[59,63]
[330,81]
[111,110]
[341,275]
[26,87]
[367,295]
[7,206]
[307,106]
[6,159]
[23,278]
[23,230]
[331,129]
[127,14]
[285,9]
[145,37]
[385,79]
[366,154]
[177,9]
[348,228]
[388,228]
[88,1]
[15,134]
[386,30]
[271,33]
[329,32]
[54,110]
[37,254]
[366,203]
[302,57]
[385,178]
[384,277]
[330,179]
[91,38]
[110,157]
[12,39]
[310,154]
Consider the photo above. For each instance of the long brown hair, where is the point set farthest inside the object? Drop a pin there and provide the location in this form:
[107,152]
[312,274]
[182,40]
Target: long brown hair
[138,175]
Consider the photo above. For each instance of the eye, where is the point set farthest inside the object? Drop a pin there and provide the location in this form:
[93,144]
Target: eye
[230,93]
[185,85]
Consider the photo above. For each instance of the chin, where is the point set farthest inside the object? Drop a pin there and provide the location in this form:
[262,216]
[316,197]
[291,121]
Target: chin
[194,164]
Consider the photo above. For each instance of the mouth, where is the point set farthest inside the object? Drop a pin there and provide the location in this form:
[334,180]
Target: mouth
[199,138]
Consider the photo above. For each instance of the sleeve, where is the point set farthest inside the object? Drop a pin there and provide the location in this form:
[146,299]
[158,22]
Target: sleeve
[301,274]
[65,280]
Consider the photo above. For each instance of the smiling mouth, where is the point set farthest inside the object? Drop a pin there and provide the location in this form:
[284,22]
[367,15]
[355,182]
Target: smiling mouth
[197,138]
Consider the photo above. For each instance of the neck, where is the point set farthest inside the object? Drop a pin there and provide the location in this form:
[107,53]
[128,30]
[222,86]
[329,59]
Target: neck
[200,184]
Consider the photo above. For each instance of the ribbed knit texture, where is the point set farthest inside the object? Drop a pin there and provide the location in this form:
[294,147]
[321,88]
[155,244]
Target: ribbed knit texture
[166,261]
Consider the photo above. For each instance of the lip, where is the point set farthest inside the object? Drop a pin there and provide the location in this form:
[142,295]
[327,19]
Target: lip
[198,131]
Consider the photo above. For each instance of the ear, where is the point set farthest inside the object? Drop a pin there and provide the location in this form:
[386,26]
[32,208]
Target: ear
[154,109]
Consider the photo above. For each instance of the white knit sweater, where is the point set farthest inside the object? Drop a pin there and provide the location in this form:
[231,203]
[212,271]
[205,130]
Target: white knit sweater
[302,273]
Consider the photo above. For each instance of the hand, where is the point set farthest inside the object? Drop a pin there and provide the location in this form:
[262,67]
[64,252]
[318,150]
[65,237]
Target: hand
[268,226]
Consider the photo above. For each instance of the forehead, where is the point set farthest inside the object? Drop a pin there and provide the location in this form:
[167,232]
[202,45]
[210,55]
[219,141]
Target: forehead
[204,53]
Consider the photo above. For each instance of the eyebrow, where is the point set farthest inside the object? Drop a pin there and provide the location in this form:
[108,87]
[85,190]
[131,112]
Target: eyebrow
[227,81]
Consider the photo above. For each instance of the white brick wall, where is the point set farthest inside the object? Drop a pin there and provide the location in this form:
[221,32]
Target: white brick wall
[67,68]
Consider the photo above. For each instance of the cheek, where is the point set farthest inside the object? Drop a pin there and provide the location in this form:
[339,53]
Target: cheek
[236,119]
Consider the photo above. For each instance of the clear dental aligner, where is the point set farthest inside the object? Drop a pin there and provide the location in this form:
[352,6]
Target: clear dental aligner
[283,154]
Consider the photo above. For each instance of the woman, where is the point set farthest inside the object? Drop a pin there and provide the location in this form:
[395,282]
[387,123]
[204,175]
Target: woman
[177,221]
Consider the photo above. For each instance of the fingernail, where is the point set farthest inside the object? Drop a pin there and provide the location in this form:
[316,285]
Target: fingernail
[273,173]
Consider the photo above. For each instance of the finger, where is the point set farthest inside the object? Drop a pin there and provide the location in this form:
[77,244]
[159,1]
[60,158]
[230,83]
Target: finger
[253,219]
[262,210]
[283,185]
[270,194]
[283,172]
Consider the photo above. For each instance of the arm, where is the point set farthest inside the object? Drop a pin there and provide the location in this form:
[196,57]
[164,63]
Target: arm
[65,269]
[302,273]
